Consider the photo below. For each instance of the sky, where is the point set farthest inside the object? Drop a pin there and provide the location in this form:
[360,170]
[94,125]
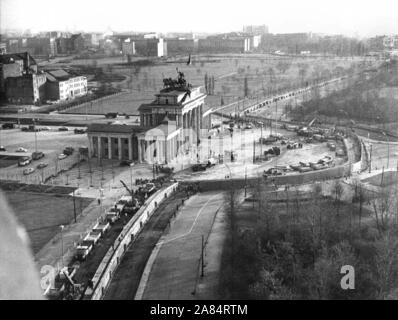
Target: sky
[350,17]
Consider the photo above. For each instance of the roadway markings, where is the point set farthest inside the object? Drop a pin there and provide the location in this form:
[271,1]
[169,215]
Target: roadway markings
[148,267]
[193,224]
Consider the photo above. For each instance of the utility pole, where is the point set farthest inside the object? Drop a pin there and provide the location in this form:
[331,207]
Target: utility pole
[74,205]
[388,152]
[245,182]
[370,159]
[34,129]
[261,141]
[62,245]
[202,257]
[382,177]
[254,150]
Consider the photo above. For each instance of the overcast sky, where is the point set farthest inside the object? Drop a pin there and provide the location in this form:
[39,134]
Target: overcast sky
[350,17]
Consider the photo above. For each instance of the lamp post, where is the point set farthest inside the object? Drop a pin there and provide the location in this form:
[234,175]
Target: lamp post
[62,245]
[131,176]
[34,129]
[388,149]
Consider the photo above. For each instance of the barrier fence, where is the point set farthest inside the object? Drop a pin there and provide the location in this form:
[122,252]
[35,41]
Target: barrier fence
[130,231]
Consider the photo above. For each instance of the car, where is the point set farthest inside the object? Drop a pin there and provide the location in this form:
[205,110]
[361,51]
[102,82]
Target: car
[28,171]
[20,149]
[62,156]
[45,128]
[8,125]
[68,151]
[248,127]
[273,171]
[42,165]
[199,167]
[79,131]
[2,148]
[24,161]
[25,129]
[63,129]
[125,163]
[37,155]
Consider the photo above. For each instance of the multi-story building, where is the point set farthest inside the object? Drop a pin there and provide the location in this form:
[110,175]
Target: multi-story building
[151,47]
[74,44]
[169,126]
[128,47]
[63,86]
[256,29]
[227,43]
[41,46]
[184,46]
[26,89]
[15,65]
[3,47]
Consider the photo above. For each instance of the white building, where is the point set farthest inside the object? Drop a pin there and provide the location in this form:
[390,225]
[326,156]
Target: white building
[63,86]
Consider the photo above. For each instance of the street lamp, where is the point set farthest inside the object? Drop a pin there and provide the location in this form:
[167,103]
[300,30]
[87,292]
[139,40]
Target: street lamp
[62,245]
[131,175]
[388,149]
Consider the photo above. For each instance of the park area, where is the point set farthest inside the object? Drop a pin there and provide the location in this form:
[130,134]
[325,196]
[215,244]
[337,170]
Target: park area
[229,77]
[295,249]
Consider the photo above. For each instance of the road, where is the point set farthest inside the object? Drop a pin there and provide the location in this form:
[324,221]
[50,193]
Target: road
[174,264]
[127,277]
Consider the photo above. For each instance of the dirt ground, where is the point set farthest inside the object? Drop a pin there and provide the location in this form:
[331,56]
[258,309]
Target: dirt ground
[229,72]
[42,214]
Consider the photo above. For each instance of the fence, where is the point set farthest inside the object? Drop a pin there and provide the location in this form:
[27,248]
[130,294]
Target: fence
[69,108]
[114,255]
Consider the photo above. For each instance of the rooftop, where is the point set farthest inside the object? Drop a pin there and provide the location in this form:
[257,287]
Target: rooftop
[114,128]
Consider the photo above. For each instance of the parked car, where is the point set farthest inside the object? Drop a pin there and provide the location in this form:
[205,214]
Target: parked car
[8,125]
[79,131]
[45,128]
[24,161]
[20,149]
[28,171]
[2,148]
[68,151]
[63,129]
[37,155]
[125,162]
[199,167]
[62,156]
[42,165]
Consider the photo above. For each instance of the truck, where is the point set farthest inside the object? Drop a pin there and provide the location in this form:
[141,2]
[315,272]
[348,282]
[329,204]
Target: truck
[83,250]
[102,227]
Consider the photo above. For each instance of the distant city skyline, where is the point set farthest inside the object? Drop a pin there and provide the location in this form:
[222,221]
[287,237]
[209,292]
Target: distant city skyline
[362,18]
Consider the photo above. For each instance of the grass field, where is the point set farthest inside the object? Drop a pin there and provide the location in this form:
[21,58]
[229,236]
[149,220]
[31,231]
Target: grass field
[263,73]
[42,214]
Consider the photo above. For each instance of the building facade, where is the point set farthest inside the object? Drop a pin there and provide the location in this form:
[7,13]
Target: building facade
[63,86]
[182,46]
[18,65]
[169,126]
